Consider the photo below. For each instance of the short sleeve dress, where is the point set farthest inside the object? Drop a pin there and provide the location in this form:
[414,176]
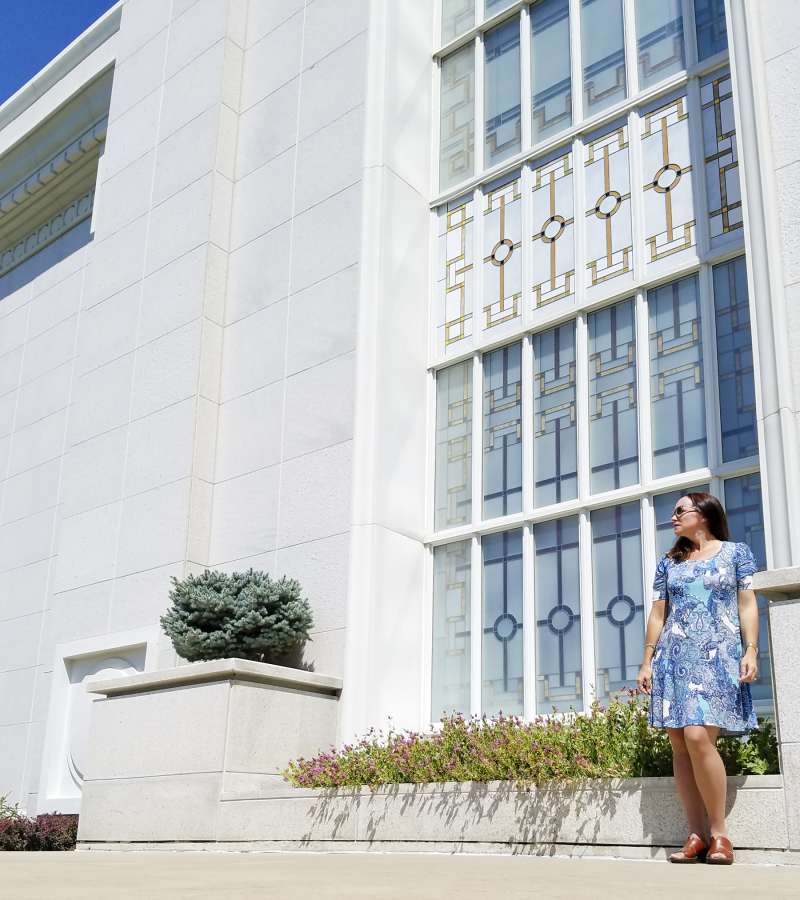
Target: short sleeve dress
[697,662]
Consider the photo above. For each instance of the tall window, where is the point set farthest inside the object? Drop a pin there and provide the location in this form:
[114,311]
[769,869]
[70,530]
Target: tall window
[609,331]
[534,81]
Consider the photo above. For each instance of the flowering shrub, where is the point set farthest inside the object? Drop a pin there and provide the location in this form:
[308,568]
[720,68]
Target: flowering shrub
[48,832]
[607,742]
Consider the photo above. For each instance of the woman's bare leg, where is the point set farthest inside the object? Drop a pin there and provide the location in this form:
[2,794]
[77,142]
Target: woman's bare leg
[691,799]
[709,774]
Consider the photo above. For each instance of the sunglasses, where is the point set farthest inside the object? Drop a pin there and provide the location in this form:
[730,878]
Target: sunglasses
[680,510]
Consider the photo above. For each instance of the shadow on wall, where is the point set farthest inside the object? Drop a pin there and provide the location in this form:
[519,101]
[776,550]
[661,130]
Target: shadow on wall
[22,275]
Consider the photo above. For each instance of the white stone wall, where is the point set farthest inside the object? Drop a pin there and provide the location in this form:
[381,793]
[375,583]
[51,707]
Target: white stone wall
[193,402]
[284,457]
[780,45]
[40,301]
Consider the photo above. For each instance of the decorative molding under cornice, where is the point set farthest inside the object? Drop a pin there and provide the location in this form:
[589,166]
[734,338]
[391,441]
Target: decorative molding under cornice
[62,160]
[74,213]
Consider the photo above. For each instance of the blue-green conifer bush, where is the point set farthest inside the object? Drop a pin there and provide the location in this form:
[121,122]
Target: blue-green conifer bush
[246,615]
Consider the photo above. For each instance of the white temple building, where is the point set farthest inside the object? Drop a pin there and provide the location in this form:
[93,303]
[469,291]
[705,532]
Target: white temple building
[436,306]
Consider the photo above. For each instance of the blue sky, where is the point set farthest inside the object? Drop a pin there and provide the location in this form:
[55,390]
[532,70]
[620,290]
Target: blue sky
[32,32]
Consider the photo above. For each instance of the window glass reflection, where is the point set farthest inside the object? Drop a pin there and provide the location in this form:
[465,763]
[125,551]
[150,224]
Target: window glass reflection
[603,49]
[558,620]
[503,97]
[677,386]
[502,435]
[551,77]
[712,30]
[737,389]
[502,624]
[613,428]
[659,36]
[555,430]
[457,117]
[450,677]
[746,519]
[458,16]
[618,597]
[454,446]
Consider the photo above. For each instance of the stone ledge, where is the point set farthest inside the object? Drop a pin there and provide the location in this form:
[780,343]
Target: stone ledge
[778,584]
[218,670]
[595,851]
[283,790]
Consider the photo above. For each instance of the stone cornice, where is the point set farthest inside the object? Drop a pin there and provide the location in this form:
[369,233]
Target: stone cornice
[59,163]
[72,214]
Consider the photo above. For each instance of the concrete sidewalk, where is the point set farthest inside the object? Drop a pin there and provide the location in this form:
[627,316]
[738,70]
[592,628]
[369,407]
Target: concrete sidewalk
[311,876]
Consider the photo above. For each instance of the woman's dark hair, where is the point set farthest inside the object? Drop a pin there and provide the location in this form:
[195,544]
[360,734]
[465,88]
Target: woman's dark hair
[714,513]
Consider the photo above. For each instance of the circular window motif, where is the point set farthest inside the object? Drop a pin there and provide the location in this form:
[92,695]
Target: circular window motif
[607,205]
[560,619]
[621,611]
[667,178]
[505,627]
[553,229]
[502,252]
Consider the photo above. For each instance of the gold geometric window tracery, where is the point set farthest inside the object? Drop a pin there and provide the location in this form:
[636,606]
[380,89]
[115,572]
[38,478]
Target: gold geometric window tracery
[721,157]
[502,258]
[670,224]
[554,242]
[456,263]
[609,241]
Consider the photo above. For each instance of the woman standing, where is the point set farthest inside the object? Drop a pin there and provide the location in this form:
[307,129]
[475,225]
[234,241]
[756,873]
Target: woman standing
[700,654]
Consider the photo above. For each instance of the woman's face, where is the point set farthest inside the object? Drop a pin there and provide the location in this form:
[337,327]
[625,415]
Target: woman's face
[686,519]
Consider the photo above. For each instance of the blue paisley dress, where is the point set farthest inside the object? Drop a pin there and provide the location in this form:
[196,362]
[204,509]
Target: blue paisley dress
[697,661]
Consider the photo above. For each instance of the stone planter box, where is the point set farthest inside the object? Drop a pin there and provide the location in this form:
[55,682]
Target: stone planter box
[165,745]
[637,818]
[188,758]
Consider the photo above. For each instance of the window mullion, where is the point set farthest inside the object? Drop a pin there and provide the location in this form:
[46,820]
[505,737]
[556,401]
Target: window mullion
[577,70]
[649,559]
[426,693]
[579,209]
[476,626]
[436,161]
[528,626]
[527,425]
[430,487]
[587,611]
[526,189]
[643,389]
[689,34]
[480,105]
[582,405]
[698,152]
[525,75]
[478,330]
[477,440]
[631,49]
[637,195]
[710,367]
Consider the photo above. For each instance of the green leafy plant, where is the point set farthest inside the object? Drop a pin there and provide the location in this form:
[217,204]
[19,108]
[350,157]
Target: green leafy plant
[7,811]
[247,615]
[607,742]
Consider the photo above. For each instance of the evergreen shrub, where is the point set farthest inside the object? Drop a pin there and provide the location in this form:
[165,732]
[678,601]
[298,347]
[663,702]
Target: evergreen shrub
[607,742]
[246,615]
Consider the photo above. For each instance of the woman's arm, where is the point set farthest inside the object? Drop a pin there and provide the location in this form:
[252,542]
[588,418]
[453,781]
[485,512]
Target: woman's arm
[748,622]
[655,625]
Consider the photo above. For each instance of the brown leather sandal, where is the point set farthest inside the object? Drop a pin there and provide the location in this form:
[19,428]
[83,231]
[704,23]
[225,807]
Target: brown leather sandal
[694,851]
[720,845]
